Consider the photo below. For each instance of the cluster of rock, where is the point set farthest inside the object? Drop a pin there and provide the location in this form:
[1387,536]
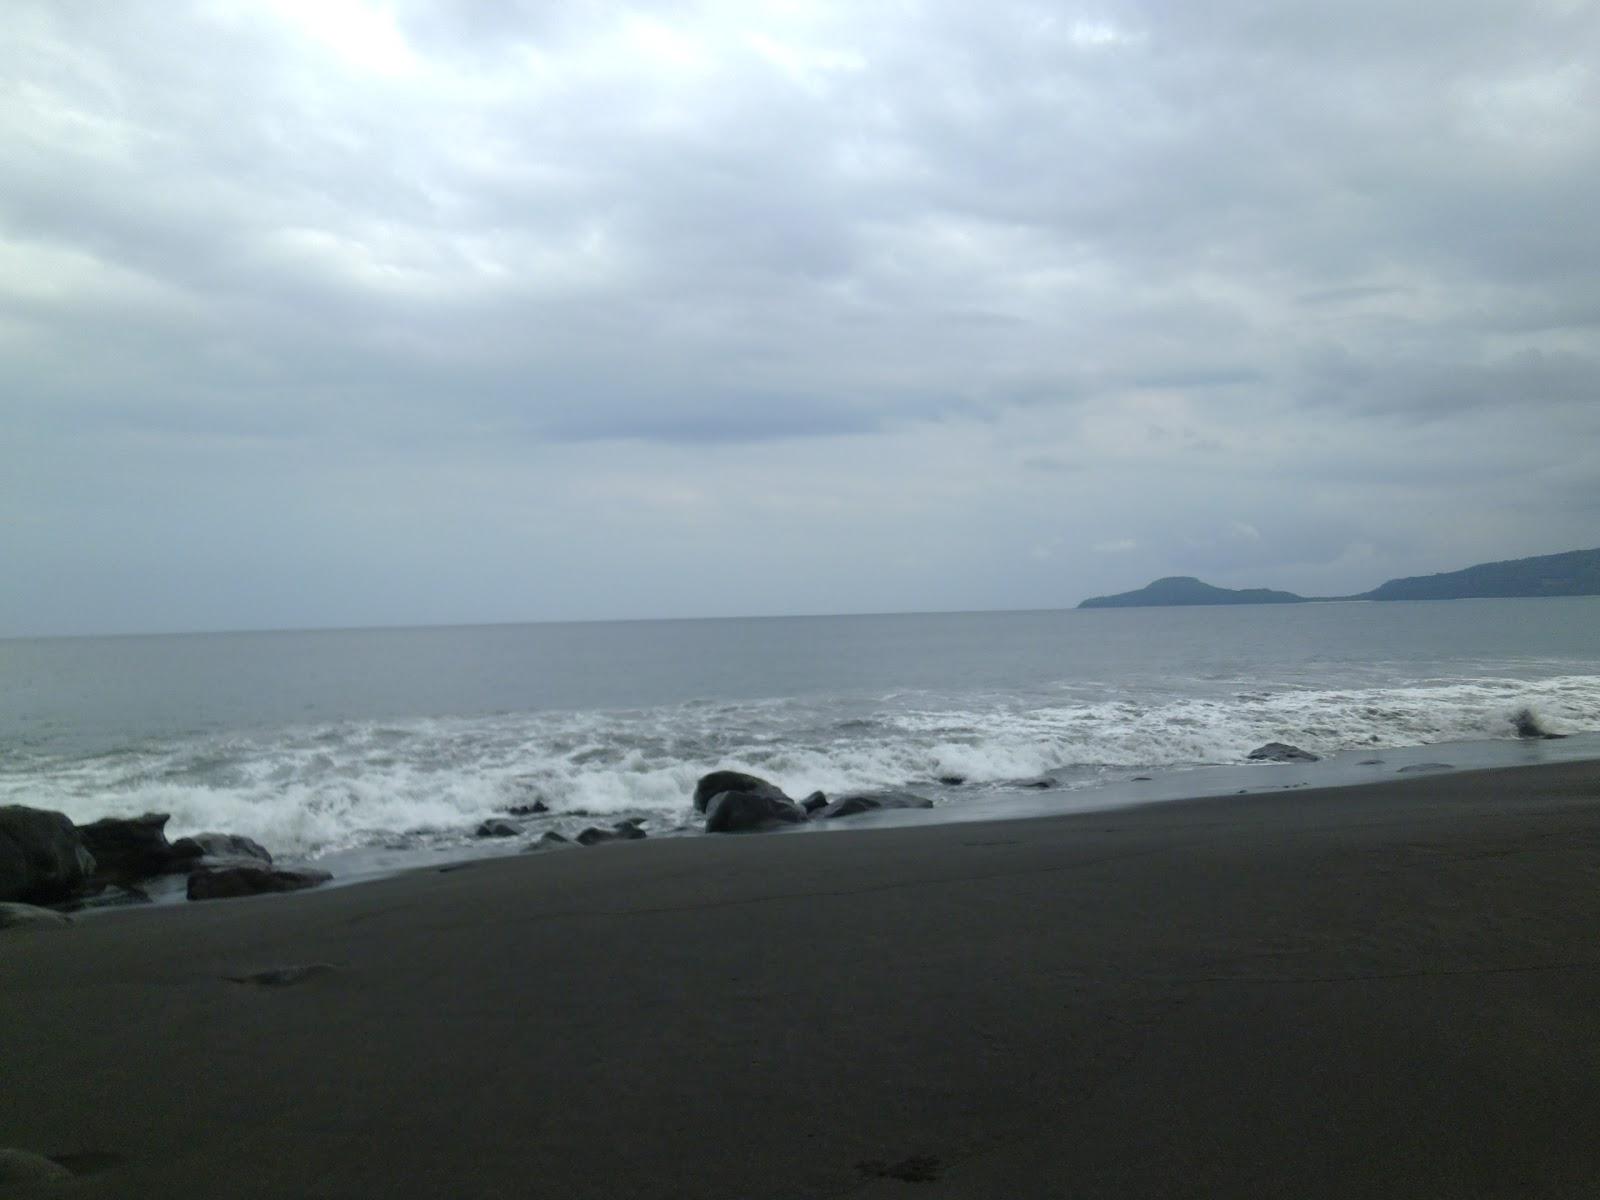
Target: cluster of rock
[734,802]
[1281,752]
[46,859]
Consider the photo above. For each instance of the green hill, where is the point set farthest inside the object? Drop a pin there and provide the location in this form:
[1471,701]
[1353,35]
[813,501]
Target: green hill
[1187,590]
[1573,573]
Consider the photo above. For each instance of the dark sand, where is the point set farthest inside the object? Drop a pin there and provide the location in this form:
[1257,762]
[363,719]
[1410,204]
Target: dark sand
[1381,991]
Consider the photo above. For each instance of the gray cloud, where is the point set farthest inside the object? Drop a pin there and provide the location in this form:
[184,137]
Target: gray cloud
[486,311]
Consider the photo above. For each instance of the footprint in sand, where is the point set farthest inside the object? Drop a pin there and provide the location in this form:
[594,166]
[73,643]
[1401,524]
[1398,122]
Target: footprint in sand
[283,976]
[922,1168]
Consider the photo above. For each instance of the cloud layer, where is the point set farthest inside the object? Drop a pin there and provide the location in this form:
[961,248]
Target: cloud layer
[338,312]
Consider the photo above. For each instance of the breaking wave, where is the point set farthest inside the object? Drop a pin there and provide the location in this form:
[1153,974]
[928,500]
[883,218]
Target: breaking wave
[315,789]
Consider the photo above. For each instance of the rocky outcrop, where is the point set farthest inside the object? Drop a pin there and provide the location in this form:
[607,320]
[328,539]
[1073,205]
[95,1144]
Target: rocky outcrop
[496,827]
[813,802]
[718,782]
[221,883]
[1281,752]
[745,812]
[136,847]
[28,916]
[864,802]
[42,857]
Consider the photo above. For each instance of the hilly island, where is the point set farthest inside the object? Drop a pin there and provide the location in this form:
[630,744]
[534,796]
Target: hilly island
[1574,573]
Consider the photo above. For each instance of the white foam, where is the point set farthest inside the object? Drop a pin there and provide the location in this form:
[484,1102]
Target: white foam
[320,789]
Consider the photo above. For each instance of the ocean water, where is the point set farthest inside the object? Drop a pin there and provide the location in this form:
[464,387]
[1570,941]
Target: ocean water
[373,749]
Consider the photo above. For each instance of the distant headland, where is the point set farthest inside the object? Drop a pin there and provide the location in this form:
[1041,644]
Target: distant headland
[1574,573]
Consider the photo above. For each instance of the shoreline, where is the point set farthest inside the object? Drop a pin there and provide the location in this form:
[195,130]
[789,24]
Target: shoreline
[1385,989]
[1352,768]
[988,802]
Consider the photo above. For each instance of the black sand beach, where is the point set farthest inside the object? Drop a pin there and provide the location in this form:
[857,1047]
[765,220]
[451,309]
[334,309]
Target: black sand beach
[1390,990]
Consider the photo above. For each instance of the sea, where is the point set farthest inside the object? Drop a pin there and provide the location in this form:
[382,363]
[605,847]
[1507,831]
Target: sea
[374,750]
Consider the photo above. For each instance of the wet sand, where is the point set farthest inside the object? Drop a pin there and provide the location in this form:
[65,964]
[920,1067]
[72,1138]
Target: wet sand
[1390,990]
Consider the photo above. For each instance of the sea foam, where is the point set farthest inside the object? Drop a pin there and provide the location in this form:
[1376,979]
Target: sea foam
[316,789]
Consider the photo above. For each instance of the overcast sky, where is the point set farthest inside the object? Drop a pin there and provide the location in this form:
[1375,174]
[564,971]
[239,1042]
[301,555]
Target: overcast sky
[341,312]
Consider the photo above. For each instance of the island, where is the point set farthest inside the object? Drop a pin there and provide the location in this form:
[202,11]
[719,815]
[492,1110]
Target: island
[1185,589]
[1572,573]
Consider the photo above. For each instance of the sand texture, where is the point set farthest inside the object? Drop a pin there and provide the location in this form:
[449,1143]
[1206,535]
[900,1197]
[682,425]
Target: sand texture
[1380,991]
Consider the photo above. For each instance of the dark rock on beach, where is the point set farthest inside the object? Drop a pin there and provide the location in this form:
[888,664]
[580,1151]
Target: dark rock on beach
[495,827]
[116,895]
[718,782]
[1528,726]
[42,856]
[952,780]
[1281,752]
[861,802]
[622,831]
[744,812]
[28,916]
[528,810]
[226,845]
[1037,782]
[813,802]
[137,847]
[221,883]
[547,841]
[23,1173]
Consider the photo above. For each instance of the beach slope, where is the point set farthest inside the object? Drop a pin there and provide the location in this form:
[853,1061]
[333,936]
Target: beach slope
[1375,991]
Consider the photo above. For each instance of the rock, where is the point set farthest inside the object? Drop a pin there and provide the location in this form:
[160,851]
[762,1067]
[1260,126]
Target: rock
[744,812]
[28,916]
[495,827]
[718,782]
[622,831]
[528,810]
[1141,779]
[225,845]
[860,802]
[1038,782]
[118,895]
[1281,752]
[1527,725]
[1370,762]
[1416,768]
[24,1174]
[952,780]
[136,847]
[222,883]
[42,856]
[813,802]
[547,841]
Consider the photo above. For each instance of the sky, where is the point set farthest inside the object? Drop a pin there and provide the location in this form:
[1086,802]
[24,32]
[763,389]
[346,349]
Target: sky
[341,312]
